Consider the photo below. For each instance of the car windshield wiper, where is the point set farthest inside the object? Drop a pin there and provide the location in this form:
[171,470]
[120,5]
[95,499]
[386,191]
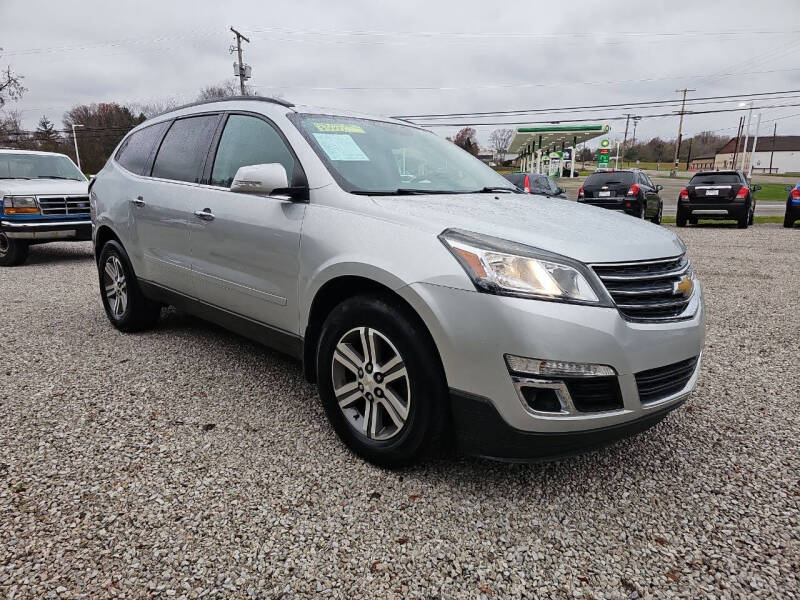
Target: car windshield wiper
[14,177]
[404,192]
[56,177]
[495,188]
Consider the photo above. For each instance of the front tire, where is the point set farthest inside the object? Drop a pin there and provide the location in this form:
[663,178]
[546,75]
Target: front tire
[13,252]
[381,382]
[125,305]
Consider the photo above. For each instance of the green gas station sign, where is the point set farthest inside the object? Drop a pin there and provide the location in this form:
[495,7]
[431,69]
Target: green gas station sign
[603,155]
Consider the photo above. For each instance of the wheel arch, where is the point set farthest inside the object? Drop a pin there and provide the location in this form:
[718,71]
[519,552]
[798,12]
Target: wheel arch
[338,289]
[103,234]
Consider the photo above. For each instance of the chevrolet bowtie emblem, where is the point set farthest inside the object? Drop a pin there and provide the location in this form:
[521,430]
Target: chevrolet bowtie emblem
[683,287]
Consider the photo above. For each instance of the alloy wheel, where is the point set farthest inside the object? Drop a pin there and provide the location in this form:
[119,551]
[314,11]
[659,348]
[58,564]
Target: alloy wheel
[4,244]
[371,383]
[116,286]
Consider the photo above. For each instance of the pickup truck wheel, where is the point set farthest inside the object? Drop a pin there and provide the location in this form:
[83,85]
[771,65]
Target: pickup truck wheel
[381,383]
[125,305]
[12,252]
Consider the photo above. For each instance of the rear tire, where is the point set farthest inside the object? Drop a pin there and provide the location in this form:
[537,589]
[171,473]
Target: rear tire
[125,305]
[680,218]
[788,222]
[13,252]
[744,220]
[657,219]
[364,342]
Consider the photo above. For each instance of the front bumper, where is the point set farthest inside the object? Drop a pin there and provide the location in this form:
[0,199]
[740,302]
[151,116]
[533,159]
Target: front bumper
[473,331]
[49,230]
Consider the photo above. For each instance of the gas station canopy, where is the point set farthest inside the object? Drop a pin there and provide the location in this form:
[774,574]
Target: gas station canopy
[554,137]
[543,147]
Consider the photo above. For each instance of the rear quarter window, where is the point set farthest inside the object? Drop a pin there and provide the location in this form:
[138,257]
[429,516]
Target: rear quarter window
[134,153]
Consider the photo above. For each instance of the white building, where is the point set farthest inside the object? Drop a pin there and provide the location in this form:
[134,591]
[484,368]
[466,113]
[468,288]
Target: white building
[778,155]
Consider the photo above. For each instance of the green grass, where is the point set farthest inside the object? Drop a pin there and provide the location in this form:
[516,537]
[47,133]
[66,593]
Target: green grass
[772,192]
[759,220]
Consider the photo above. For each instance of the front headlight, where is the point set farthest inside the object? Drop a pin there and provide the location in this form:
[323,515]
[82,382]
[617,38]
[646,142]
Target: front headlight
[506,268]
[20,205]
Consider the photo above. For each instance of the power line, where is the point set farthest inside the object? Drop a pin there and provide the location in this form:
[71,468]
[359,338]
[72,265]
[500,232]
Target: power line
[726,98]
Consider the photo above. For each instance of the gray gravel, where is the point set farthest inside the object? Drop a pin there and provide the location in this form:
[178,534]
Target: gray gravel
[187,462]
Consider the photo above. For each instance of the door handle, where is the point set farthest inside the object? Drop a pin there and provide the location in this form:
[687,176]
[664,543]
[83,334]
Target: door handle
[138,201]
[204,214]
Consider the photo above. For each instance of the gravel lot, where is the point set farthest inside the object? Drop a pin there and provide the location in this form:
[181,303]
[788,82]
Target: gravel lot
[188,462]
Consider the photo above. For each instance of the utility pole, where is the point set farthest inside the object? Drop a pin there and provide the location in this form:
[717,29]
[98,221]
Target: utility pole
[680,128]
[625,139]
[689,156]
[75,138]
[633,143]
[242,75]
[772,154]
[738,137]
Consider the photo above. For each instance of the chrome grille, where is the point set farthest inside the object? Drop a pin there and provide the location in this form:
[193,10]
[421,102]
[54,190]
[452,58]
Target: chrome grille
[645,291]
[64,205]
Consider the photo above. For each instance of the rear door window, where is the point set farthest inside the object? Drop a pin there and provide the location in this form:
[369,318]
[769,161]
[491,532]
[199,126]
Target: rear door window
[134,153]
[249,141]
[183,152]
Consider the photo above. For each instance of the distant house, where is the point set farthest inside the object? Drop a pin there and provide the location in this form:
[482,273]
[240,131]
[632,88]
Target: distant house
[700,163]
[779,156]
[486,157]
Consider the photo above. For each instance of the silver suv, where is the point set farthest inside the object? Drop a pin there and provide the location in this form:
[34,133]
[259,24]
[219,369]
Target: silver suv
[430,301]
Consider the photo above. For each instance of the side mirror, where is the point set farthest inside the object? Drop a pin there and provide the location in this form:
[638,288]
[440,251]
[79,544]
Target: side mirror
[788,188]
[756,187]
[659,187]
[561,190]
[260,179]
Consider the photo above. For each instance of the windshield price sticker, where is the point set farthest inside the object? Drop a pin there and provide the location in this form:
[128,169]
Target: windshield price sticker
[338,128]
[340,146]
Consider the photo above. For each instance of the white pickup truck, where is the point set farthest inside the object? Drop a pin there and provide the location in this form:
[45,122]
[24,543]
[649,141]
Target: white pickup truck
[45,198]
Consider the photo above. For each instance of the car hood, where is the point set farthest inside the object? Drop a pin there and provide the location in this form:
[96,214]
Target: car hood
[42,187]
[585,233]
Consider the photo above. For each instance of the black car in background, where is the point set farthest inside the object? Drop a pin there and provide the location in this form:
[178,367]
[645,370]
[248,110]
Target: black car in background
[630,191]
[533,183]
[717,195]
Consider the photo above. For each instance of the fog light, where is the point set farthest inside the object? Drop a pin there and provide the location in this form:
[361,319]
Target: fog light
[556,368]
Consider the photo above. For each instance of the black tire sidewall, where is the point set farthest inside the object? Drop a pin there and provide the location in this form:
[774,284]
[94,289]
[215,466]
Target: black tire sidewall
[426,418]
[140,312]
[16,254]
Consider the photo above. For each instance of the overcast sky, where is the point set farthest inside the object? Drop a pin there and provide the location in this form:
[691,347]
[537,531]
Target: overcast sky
[484,55]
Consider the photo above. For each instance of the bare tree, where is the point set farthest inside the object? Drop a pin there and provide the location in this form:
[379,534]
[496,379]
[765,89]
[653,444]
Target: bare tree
[11,131]
[500,140]
[154,108]
[225,89]
[466,139]
[11,87]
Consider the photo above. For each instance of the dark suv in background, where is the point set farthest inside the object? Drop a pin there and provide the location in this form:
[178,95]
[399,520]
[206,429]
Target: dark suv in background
[630,191]
[717,195]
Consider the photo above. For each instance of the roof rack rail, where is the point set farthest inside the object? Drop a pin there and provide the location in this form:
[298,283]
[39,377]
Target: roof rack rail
[285,103]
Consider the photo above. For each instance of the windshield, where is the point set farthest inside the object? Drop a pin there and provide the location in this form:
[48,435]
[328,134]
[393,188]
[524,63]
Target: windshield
[611,178]
[38,166]
[715,179]
[368,156]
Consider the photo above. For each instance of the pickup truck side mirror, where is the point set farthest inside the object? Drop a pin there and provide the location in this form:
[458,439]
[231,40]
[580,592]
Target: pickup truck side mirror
[788,188]
[756,187]
[561,191]
[268,178]
[659,187]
